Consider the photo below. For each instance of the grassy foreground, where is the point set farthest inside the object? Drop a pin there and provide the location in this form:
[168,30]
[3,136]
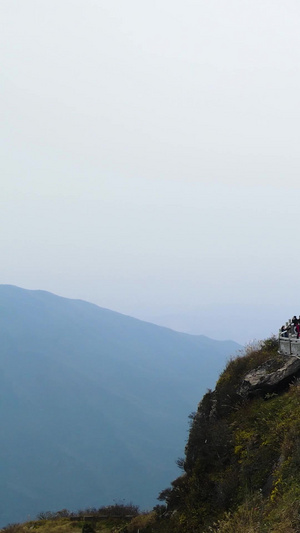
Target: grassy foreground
[117,518]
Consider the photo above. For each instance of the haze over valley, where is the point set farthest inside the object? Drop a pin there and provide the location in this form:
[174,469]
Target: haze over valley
[94,404]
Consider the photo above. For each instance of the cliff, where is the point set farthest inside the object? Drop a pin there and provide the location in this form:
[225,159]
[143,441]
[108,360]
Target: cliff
[241,467]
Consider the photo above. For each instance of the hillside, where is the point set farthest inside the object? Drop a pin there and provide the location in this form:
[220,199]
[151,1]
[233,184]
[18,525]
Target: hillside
[241,467]
[94,404]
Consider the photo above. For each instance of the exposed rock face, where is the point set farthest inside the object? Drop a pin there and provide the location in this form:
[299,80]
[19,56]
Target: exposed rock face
[262,380]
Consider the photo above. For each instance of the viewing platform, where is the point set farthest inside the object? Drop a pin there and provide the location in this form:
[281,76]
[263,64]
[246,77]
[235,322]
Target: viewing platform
[289,338]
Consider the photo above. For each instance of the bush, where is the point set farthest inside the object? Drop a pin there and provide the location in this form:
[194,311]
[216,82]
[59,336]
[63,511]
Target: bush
[14,528]
[117,509]
[142,522]
[46,515]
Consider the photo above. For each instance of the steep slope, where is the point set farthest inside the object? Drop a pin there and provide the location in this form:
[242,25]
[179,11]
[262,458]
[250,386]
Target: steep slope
[94,404]
[241,467]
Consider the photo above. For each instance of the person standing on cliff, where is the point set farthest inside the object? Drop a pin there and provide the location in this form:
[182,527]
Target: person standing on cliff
[295,322]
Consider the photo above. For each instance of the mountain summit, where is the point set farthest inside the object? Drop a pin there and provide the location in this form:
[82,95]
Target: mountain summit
[94,404]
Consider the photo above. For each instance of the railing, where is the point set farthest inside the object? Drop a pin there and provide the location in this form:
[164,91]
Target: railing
[289,345]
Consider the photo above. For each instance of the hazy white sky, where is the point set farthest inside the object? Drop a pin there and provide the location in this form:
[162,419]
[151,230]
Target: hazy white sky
[150,158]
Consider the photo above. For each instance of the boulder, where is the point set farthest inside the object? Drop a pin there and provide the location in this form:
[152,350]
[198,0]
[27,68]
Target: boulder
[263,380]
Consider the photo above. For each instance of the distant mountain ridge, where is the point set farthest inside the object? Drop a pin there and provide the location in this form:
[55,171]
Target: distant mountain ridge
[94,403]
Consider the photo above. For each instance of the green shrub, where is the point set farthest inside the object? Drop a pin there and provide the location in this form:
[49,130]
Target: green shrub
[143,522]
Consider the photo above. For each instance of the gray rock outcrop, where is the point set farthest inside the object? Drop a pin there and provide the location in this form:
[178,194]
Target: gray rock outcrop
[263,380]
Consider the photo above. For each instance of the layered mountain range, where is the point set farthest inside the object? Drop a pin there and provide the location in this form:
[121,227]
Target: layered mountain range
[94,404]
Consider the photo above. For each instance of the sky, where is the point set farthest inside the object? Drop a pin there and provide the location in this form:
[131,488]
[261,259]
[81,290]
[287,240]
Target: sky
[150,158]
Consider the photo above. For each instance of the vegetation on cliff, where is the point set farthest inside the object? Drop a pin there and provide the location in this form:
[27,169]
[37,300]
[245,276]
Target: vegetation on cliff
[241,468]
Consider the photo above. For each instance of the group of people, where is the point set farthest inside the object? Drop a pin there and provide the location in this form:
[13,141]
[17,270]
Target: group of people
[292,328]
